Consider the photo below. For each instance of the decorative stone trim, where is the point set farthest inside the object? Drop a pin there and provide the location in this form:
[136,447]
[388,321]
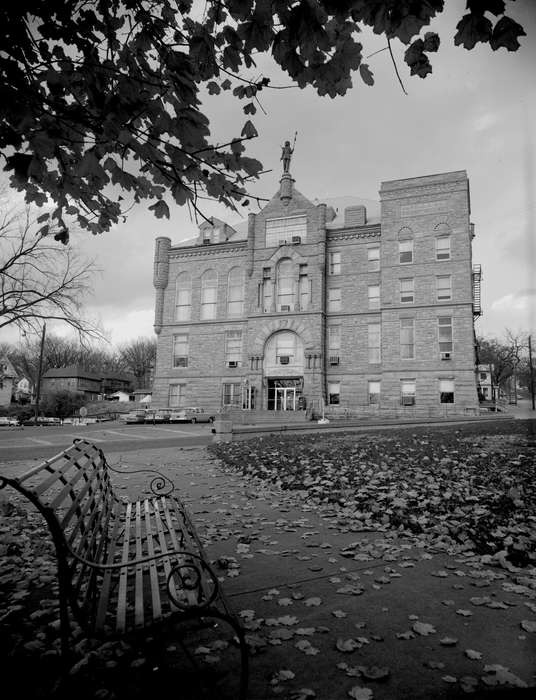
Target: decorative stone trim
[336,235]
[203,251]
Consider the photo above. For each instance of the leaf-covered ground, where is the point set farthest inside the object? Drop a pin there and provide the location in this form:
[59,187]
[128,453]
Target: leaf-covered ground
[468,487]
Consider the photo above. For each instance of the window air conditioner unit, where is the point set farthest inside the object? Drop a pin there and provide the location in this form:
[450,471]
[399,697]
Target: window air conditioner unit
[445,355]
[206,241]
[333,360]
[296,239]
[232,363]
[284,359]
[282,241]
[408,401]
[285,307]
[181,362]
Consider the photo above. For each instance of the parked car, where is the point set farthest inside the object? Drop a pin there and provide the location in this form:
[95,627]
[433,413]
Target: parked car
[43,420]
[194,414]
[9,420]
[156,416]
[134,417]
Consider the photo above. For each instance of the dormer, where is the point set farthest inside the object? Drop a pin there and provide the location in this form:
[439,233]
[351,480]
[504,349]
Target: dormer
[214,231]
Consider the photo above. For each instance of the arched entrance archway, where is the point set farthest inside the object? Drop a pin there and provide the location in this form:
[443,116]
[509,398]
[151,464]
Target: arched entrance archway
[283,371]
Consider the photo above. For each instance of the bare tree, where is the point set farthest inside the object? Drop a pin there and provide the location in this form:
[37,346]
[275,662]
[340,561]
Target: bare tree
[40,278]
[139,357]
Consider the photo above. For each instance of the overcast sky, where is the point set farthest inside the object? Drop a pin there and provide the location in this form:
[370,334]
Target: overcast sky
[475,112]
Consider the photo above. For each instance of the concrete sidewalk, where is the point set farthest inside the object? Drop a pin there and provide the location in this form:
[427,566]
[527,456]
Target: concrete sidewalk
[329,609]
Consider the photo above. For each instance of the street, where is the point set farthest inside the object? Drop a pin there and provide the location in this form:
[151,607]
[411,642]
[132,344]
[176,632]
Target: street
[44,441]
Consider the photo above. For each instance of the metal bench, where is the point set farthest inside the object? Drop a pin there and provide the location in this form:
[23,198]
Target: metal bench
[123,565]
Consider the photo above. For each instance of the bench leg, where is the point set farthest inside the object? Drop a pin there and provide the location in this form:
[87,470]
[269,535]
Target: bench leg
[244,654]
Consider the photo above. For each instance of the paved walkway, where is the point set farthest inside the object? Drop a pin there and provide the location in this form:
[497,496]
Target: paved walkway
[331,611]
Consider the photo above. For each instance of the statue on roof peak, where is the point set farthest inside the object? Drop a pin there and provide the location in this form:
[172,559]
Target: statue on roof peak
[286,154]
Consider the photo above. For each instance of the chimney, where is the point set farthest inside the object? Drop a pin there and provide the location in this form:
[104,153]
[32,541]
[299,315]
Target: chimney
[355,216]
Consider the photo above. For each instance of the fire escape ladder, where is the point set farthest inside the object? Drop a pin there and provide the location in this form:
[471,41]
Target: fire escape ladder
[477,277]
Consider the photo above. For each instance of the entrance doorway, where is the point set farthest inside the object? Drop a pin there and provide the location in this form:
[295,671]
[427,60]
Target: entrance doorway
[284,394]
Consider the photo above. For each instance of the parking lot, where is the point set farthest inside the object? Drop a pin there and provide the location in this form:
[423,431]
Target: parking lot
[22,442]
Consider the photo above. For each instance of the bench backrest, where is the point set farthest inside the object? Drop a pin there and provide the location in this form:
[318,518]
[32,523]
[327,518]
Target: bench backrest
[74,493]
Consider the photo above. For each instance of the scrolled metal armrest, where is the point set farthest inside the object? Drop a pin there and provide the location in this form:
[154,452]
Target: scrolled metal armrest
[190,574]
[131,562]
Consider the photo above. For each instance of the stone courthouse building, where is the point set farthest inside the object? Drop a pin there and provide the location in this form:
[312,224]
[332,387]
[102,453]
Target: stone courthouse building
[315,308]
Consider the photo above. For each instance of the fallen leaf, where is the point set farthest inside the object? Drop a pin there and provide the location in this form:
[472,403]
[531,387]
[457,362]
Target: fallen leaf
[472,654]
[448,641]
[423,628]
[359,693]
[313,602]
[347,645]
[528,625]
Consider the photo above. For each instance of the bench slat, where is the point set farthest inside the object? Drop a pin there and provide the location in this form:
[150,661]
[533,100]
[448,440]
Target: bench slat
[121,614]
[156,608]
[138,584]
[166,561]
[110,577]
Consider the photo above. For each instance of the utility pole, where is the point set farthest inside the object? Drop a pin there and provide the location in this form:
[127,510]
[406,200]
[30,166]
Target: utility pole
[531,370]
[38,389]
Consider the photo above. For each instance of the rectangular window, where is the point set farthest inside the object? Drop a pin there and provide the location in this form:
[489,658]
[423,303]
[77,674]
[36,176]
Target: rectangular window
[304,285]
[374,392]
[283,230]
[334,339]
[334,299]
[373,258]
[334,393]
[407,292]
[442,247]
[335,263]
[374,296]
[180,350]
[233,348]
[446,390]
[231,394]
[444,332]
[444,287]
[483,375]
[407,339]
[176,395]
[405,252]
[374,342]
[407,392]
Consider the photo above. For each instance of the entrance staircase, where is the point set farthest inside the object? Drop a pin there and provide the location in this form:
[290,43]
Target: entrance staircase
[262,417]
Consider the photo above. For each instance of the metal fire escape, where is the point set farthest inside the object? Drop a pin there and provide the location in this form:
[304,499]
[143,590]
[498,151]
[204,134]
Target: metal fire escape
[477,277]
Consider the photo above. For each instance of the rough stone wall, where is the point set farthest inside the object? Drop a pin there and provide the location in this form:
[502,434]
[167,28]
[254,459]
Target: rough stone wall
[425,206]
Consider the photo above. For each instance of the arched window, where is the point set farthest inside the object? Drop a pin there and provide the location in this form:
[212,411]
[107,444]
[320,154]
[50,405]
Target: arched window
[285,285]
[442,241]
[209,295]
[183,297]
[235,292]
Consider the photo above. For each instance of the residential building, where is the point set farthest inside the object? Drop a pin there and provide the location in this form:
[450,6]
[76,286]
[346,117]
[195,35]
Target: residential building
[311,307]
[74,379]
[8,377]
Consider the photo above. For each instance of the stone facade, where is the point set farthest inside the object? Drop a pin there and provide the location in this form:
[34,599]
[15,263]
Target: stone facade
[312,309]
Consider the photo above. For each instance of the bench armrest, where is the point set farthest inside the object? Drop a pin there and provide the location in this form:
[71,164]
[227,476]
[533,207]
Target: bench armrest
[131,562]
[160,485]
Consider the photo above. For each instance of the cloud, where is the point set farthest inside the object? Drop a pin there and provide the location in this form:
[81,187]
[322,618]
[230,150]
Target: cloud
[485,121]
[121,328]
[519,301]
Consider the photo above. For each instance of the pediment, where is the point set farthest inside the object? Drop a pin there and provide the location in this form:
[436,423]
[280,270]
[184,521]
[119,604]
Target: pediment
[286,251]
